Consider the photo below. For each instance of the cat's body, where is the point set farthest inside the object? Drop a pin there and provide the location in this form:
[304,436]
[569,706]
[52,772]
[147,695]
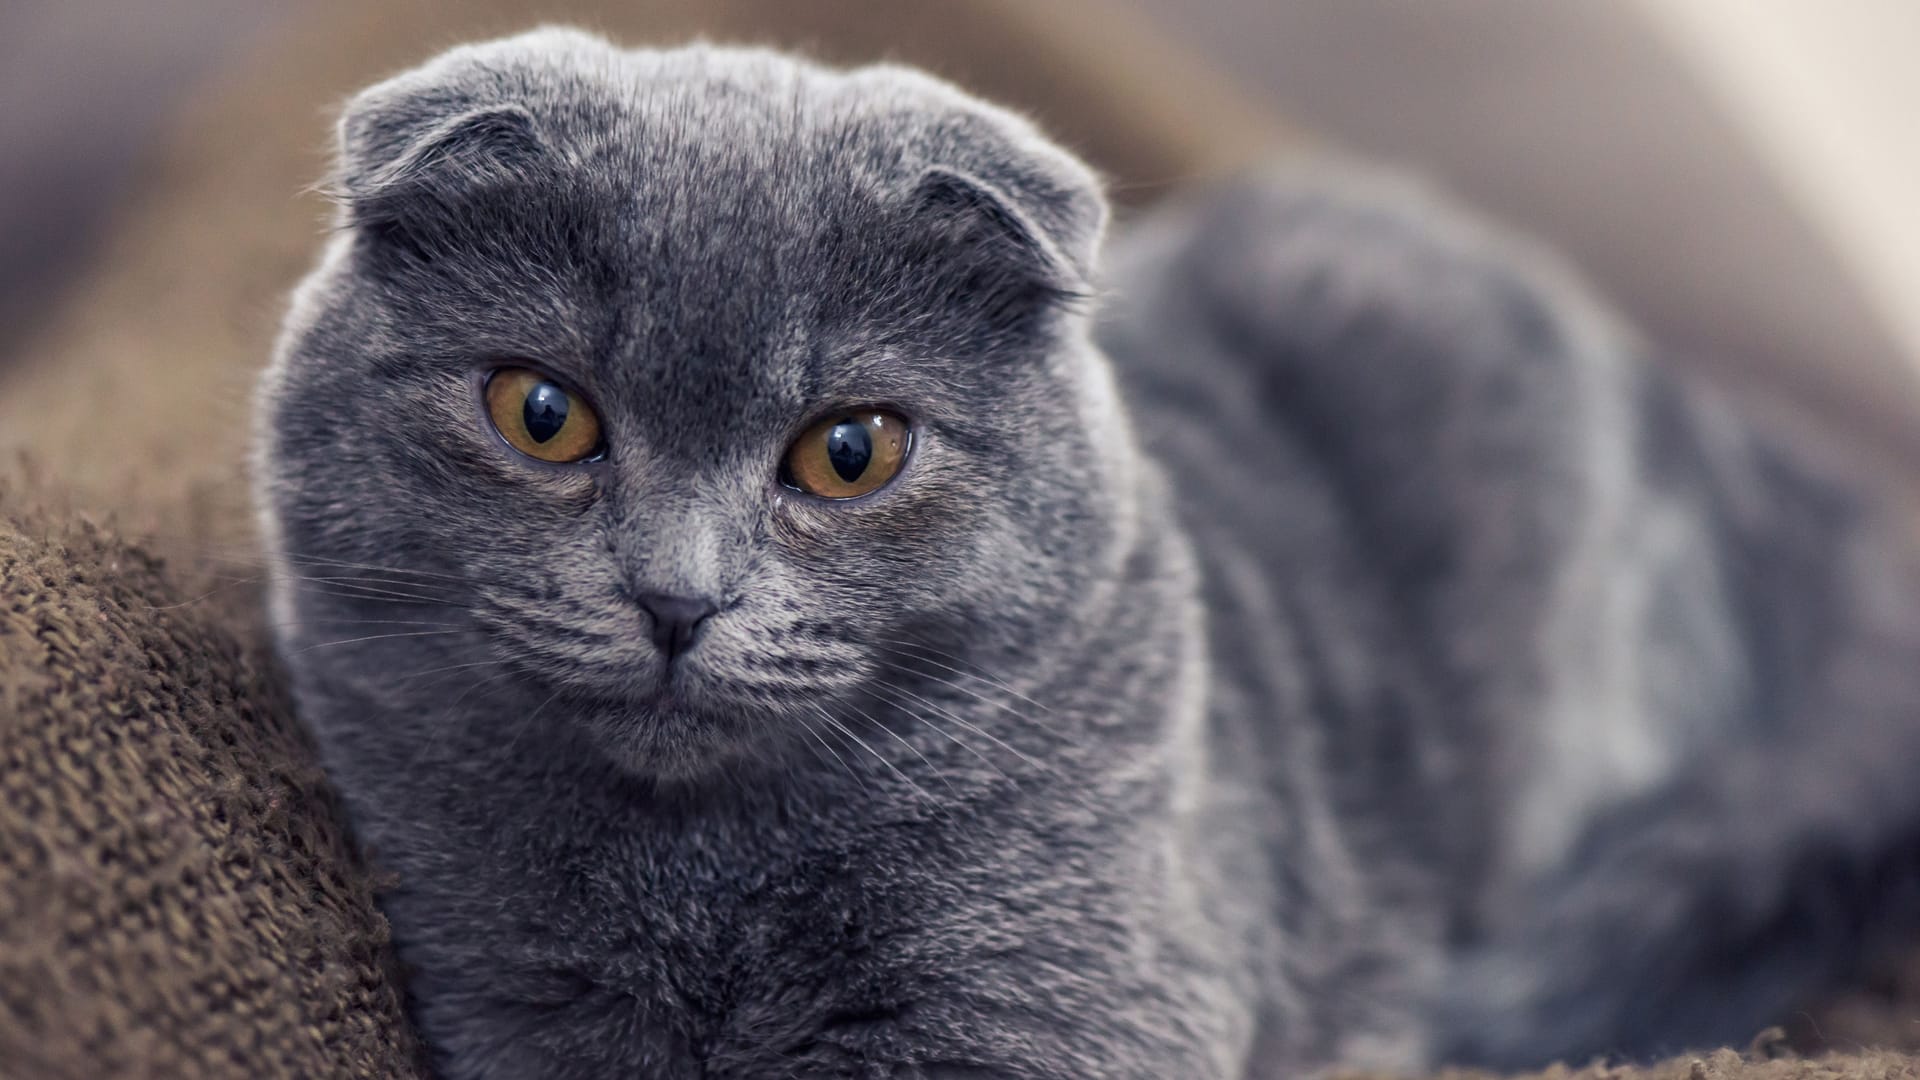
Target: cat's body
[1250,753]
[1631,687]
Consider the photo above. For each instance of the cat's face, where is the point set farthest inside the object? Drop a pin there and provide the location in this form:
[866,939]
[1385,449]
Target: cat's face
[707,386]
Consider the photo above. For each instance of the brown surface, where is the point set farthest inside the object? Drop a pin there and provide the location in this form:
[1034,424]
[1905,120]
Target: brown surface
[173,889]
[176,893]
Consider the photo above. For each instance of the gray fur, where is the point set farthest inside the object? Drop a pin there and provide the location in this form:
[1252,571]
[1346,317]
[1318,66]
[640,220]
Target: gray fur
[1279,717]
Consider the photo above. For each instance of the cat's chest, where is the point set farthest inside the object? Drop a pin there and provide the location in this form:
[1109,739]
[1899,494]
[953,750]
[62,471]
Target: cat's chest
[692,947]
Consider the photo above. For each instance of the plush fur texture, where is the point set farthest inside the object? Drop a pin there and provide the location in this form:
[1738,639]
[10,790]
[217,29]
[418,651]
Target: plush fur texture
[1247,681]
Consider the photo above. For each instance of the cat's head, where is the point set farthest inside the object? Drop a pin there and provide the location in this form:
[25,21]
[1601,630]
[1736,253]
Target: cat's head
[700,387]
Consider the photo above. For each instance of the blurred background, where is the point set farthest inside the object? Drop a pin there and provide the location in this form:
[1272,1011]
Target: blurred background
[1742,179]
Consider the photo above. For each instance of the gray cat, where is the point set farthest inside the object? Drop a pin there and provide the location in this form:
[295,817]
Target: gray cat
[773,622]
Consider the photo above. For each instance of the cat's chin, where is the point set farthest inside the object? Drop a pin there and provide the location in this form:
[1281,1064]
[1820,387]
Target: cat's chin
[668,737]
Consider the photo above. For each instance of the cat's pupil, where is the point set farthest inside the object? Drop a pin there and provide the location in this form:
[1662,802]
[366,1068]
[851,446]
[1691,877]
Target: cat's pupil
[545,411]
[849,448]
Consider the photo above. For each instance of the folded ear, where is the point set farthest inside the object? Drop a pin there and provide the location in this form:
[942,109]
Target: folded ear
[402,167]
[385,147]
[974,210]
[1013,251]
[1012,217]
[428,157]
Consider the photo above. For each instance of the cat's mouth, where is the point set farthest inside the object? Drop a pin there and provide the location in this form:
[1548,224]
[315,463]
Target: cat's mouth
[669,735]
[666,721]
[685,714]
[673,698]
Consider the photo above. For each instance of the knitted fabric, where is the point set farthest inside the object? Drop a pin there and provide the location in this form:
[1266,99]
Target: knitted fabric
[177,897]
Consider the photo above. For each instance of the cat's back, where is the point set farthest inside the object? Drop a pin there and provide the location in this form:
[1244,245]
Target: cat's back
[1293,349]
[1590,646]
[1405,447]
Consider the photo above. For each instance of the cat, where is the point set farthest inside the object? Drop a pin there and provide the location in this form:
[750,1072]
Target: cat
[784,594]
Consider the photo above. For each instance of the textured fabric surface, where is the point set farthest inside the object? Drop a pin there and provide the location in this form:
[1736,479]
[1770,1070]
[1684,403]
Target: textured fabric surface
[176,895]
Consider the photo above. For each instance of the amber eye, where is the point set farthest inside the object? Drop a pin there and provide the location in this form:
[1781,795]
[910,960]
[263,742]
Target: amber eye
[540,418]
[847,454]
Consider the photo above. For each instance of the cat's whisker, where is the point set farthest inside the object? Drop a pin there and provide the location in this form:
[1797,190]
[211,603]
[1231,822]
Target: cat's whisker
[951,685]
[377,637]
[343,587]
[258,559]
[349,621]
[974,674]
[912,749]
[195,550]
[444,669]
[372,587]
[266,568]
[857,775]
[371,592]
[1066,782]
[201,598]
[956,718]
[877,755]
[358,579]
[354,620]
[809,729]
[441,727]
[532,717]
[342,594]
[892,697]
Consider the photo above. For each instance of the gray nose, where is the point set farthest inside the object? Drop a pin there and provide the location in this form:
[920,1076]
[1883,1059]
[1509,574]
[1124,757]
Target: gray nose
[677,620]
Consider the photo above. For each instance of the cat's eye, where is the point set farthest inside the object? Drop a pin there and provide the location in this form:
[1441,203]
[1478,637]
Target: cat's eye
[540,418]
[848,454]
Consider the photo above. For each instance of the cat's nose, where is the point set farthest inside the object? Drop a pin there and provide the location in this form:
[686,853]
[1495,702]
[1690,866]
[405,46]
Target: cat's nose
[677,620]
